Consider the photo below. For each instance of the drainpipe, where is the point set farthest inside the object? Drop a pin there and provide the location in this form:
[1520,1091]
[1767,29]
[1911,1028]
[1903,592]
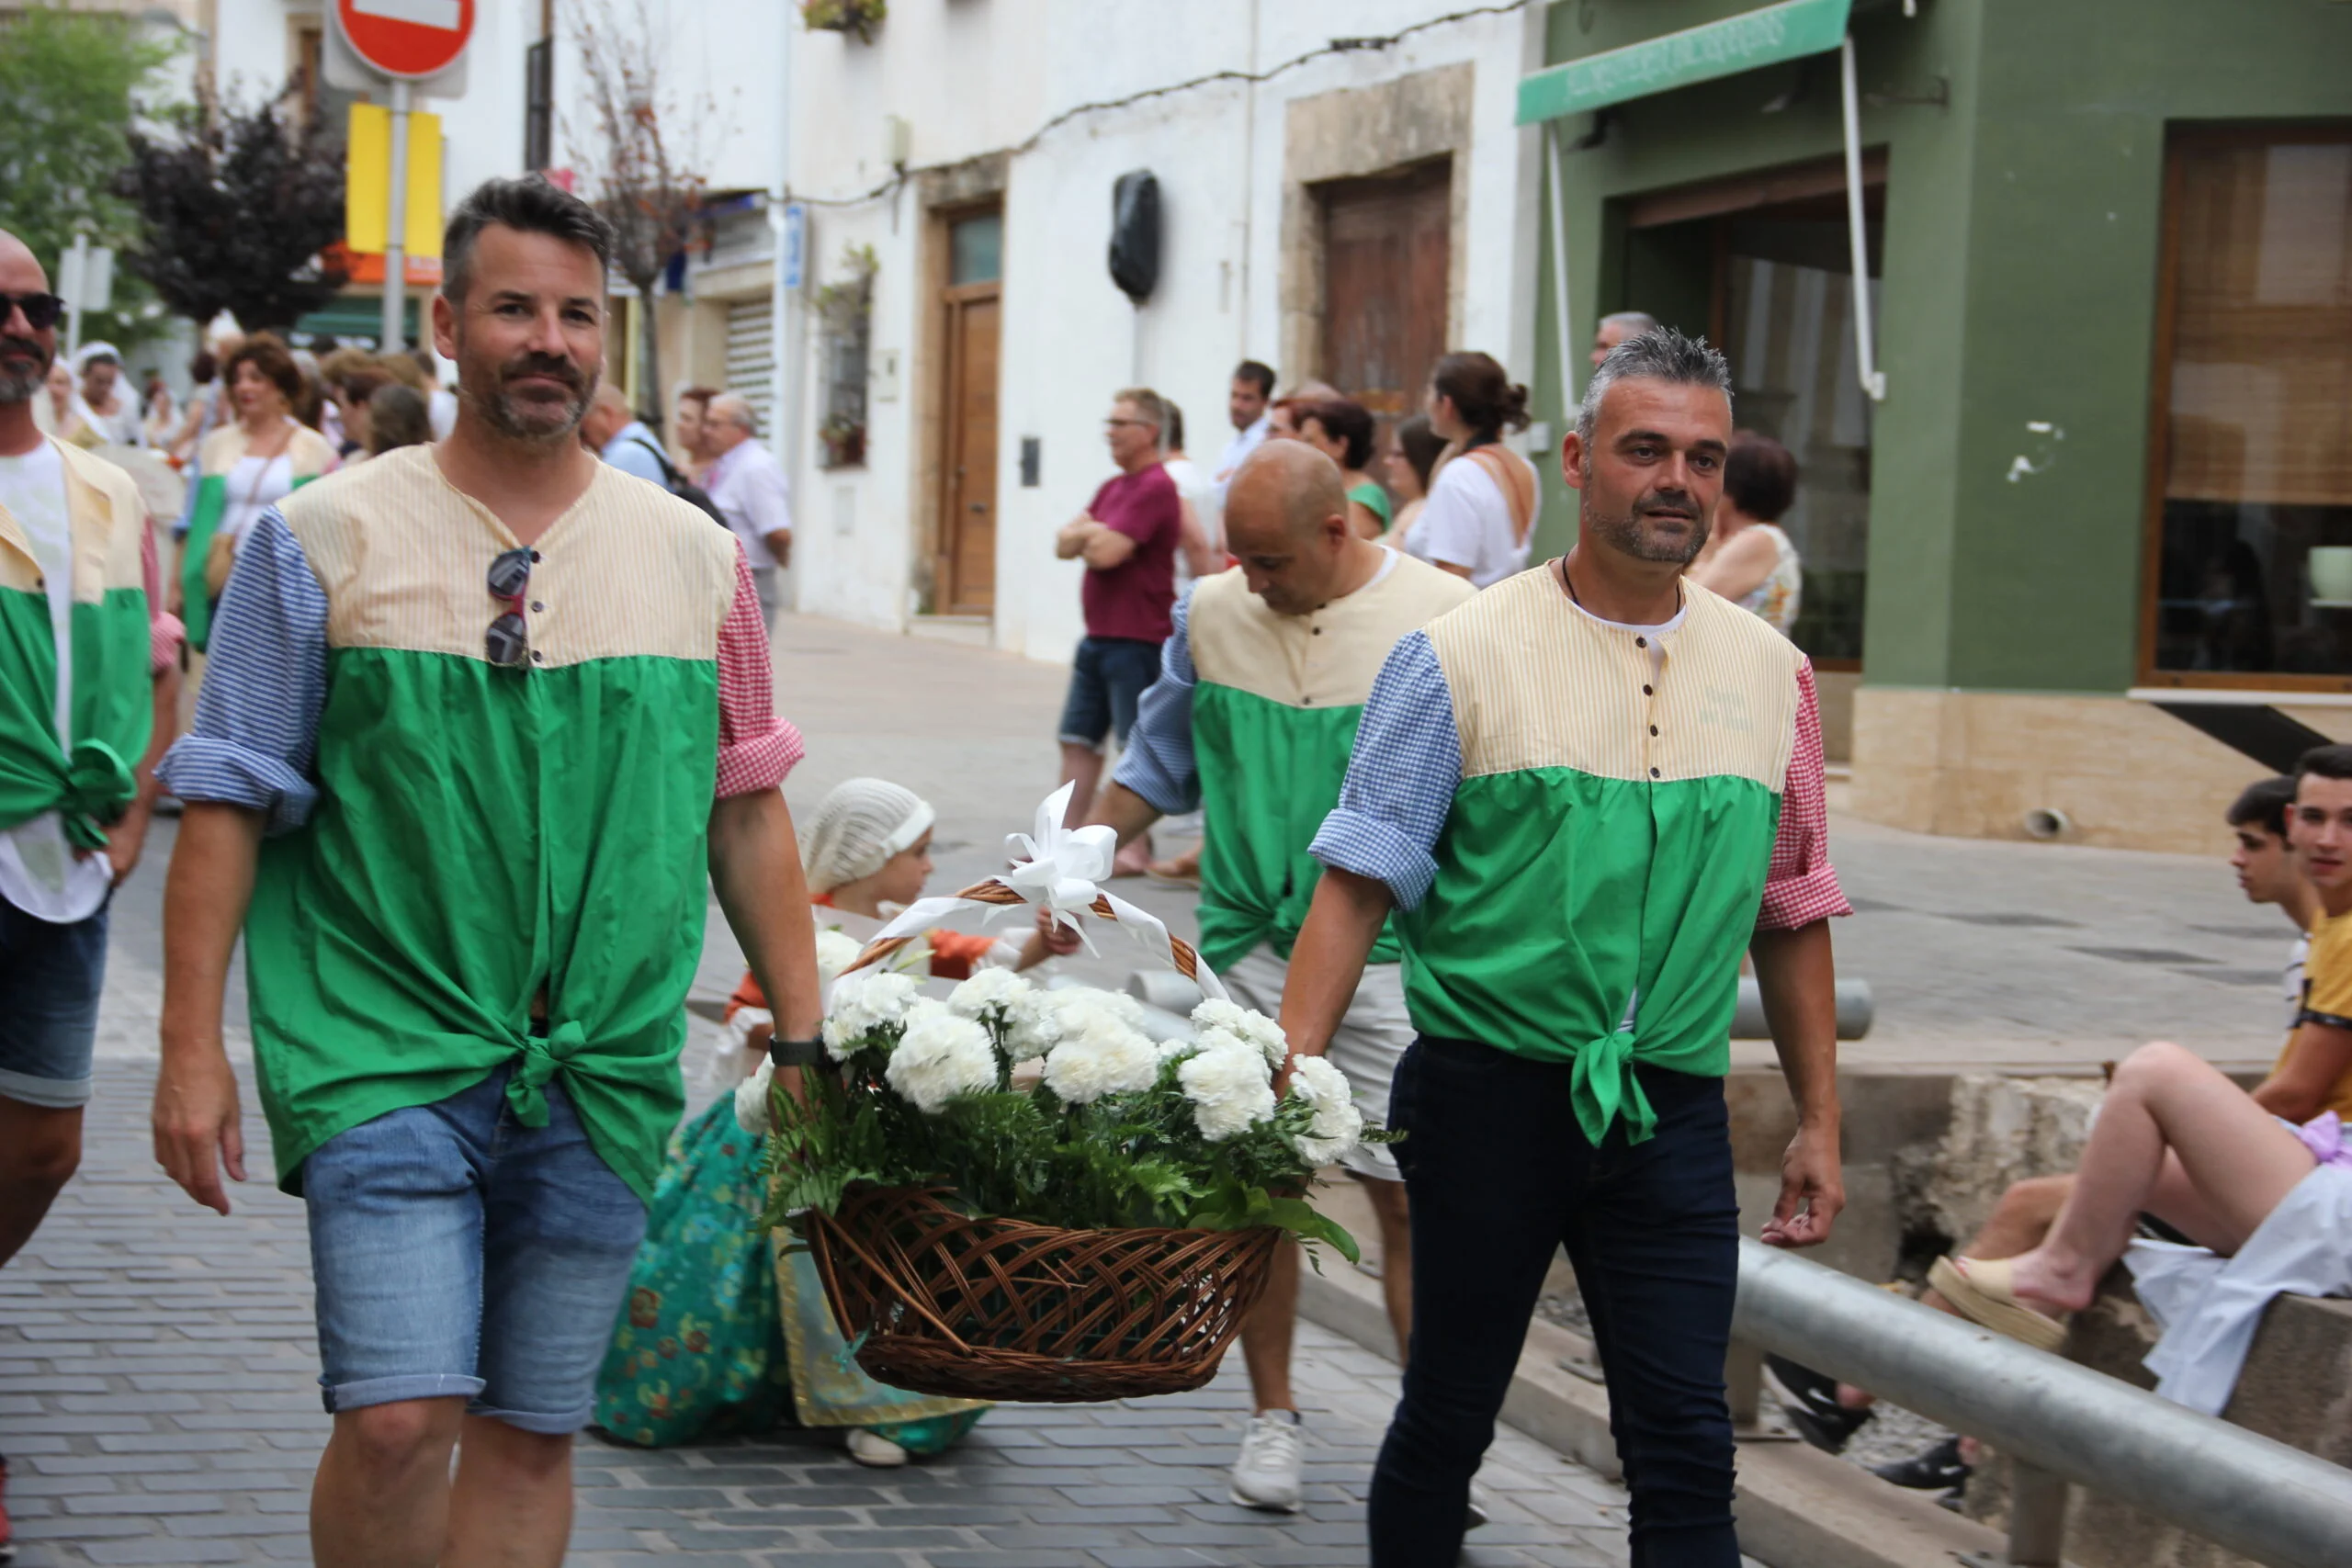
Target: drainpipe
[784,314]
[1553,156]
[1873,380]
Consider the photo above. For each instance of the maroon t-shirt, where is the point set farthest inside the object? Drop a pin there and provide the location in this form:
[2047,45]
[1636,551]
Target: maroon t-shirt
[1134,599]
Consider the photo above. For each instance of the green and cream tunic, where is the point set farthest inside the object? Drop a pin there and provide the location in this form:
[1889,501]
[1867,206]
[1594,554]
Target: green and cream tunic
[232,491]
[105,647]
[1252,721]
[1583,824]
[473,867]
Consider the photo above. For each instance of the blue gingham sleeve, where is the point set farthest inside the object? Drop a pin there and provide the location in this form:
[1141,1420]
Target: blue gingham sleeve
[1401,779]
[1157,763]
[257,729]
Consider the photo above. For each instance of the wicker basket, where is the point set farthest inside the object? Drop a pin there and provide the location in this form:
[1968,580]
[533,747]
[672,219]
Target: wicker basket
[942,1303]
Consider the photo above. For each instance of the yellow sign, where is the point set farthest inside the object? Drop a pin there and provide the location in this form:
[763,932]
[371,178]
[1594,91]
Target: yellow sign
[368,181]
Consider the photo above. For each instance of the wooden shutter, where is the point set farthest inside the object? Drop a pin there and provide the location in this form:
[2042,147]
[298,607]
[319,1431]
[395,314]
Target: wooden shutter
[2261,386]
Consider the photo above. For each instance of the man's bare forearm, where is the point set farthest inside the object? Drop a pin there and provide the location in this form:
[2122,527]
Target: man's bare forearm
[755,870]
[205,897]
[1119,807]
[1797,972]
[1328,960]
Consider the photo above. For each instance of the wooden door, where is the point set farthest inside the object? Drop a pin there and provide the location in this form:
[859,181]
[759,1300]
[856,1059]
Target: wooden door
[1387,252]
[968,524]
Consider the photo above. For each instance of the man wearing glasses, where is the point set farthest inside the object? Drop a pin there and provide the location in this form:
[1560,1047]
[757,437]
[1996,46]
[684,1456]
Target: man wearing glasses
[89,681]
[477,718]
[1127,539]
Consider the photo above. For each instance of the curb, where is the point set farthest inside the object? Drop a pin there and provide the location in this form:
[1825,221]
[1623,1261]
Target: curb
[1798,1507]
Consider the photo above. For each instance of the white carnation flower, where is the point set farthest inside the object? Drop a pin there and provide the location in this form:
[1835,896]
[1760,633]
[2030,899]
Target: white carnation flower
[1338,1125]
[1229,1091]
[987,989]
[754,1111]
[1108,1059]
[1234,1019]
[1037,1020]
[836,950]
[863,1005]
[940,1056]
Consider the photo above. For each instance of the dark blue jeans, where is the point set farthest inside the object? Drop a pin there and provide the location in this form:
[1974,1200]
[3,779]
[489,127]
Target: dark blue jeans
[1497,1175]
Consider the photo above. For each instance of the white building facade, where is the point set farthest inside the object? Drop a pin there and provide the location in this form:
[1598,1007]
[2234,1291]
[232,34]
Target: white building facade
[1354,210]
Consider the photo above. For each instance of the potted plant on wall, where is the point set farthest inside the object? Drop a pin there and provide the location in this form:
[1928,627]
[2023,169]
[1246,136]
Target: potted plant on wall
[858,18]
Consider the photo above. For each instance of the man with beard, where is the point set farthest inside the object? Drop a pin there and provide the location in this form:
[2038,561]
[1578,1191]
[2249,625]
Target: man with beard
[1580,795]
[89,683]
[478,718]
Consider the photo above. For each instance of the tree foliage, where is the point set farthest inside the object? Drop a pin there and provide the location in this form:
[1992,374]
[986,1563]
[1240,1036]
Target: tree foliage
[234,209]
[636,158]
[71,86]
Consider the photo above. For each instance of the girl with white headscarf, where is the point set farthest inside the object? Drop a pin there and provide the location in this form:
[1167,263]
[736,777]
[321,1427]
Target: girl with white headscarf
[723,1328]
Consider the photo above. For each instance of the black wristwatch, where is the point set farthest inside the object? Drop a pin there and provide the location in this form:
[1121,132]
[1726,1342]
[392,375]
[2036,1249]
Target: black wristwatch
[795,1053]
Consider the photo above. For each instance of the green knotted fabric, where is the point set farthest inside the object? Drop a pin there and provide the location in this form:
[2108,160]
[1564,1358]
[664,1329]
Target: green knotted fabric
[1269,773]
[452,879]
[92,784]
[1563,900]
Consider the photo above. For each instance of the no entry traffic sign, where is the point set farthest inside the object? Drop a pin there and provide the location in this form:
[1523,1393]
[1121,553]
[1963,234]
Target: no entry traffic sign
[409,39]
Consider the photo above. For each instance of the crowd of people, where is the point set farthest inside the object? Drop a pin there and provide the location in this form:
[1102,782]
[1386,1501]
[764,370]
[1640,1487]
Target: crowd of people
[484,725]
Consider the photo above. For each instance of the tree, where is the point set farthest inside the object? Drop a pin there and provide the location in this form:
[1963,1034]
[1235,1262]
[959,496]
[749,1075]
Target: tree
[637,162]
[71,85]
[234,209]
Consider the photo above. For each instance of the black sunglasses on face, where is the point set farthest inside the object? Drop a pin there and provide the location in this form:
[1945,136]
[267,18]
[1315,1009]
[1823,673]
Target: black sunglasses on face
[41,310]
[508,641]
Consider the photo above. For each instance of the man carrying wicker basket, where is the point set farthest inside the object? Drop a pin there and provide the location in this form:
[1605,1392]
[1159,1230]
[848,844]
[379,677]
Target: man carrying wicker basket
[1581,795]
[1250,721]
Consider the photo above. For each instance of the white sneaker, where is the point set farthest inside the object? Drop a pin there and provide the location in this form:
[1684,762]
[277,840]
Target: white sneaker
[1478,1513]
[873,1449]
[1266,1475]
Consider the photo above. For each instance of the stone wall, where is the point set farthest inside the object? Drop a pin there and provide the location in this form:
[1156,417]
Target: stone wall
[2002,1130]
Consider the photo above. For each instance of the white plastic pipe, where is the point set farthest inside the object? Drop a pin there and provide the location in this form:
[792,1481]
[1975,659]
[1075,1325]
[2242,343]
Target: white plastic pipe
[1874,382]
[1553,158]
[395,325]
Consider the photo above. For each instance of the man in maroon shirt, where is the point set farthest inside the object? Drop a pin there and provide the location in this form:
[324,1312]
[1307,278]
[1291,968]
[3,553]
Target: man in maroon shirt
[1127,539]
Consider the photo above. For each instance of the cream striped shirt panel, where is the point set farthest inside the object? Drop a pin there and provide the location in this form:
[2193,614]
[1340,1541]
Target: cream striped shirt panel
[404,558]
[1537,683]
[308,453]
[107,517]
[1328,658]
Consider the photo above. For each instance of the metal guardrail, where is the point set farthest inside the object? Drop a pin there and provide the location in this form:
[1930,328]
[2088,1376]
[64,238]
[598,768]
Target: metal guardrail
[2060,1422]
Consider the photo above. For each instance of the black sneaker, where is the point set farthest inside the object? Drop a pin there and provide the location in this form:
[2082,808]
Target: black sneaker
[1812,1405]
[1929,1469]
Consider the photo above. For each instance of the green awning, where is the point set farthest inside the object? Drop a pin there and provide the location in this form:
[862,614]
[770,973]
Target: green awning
[1790,31]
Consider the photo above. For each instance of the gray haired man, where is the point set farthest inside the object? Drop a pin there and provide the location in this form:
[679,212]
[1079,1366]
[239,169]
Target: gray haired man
[1615,329]
[748,486]
[1572,885]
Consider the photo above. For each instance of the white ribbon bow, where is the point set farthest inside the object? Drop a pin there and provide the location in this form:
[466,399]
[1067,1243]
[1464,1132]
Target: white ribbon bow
[1056,869]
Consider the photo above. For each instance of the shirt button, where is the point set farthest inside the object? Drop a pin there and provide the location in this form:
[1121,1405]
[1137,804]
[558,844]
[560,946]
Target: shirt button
[1318,631]
[538,608]
[537,557]
[1653,771]
[1653,729]
[1641,642]
[1645,691]
[538,658]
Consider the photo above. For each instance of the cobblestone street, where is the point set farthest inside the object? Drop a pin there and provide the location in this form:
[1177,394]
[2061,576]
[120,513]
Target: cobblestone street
[158,1405]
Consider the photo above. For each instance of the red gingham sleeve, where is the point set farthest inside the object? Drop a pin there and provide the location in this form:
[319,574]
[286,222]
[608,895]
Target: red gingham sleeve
[1802,886]
[756,748]
[165,633]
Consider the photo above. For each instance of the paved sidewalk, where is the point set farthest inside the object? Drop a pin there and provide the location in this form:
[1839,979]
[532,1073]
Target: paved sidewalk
[158,1405]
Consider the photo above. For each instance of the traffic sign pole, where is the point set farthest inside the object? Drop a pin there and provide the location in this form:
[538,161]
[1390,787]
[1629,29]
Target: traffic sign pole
[395,332]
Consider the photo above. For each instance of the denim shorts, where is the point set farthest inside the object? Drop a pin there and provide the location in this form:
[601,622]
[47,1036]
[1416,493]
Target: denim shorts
[50,979]
[458,1252]
[1107,679]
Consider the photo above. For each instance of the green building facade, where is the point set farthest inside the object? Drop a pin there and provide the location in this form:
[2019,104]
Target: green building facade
[2103,512]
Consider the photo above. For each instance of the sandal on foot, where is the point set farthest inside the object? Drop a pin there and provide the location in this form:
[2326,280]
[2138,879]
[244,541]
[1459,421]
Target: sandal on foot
[1982,1290]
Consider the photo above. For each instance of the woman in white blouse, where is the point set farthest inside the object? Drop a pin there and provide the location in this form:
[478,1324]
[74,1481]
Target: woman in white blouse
[1479,520]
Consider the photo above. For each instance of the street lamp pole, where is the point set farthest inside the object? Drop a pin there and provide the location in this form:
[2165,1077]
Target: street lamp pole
[395,333]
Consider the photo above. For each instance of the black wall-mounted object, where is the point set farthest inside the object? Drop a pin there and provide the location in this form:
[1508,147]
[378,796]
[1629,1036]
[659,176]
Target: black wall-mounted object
[1135,234]
[1031,455]
[2275,740]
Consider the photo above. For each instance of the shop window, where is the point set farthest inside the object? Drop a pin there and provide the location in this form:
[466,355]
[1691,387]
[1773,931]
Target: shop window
[2251,513]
